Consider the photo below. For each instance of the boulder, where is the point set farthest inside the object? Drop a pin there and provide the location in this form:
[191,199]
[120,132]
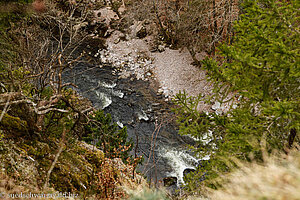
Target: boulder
[216,106]
[106,15]
[161,48]
[141,32]
[138,30]
[92,45]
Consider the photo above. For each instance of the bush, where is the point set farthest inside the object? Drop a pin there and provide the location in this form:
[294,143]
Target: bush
[107,136]
[260,67]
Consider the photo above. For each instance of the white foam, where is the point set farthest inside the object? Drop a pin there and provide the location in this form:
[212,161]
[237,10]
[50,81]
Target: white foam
[107,85]
[105,99]
[118,93]
[120,124]
[179,161]
[142,115]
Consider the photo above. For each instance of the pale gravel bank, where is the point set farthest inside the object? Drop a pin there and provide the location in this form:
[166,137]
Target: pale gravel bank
[174,72]
[172,69]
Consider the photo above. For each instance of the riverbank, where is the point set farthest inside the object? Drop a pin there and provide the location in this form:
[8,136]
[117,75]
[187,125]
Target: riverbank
[169,71]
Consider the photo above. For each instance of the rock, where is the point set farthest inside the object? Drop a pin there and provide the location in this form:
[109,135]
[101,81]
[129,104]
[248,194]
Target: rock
[189,140]
[106,15]
[141,33]
[120,124]
[155,104]
[122,8]
[138,30]
[161,48]
[117,40]
[200,55]
[169,181]
[108,33]
[216,106]
[127,37]
[97,27]
[147,21]
[101,29]
[93,44]
[148,62]
[153,49]
[160,91]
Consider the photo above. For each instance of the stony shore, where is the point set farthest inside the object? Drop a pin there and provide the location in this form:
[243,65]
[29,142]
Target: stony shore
[169,71]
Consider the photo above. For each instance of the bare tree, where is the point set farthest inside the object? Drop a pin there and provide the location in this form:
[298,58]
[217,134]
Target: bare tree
[196,24]
[206,23]
[45,49]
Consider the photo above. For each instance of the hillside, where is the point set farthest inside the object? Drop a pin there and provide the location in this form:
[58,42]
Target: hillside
[184,99]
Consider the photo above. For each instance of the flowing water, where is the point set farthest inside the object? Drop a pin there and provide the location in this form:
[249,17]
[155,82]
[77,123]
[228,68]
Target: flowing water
[136,105]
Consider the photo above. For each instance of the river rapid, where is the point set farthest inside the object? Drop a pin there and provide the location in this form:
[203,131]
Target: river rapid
[137,105]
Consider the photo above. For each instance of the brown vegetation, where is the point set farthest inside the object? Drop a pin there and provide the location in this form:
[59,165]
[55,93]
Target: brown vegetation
[277,178]
[41,119]
[197,25]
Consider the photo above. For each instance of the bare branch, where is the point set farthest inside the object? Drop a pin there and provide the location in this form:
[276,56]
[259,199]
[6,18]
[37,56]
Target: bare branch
[60,149]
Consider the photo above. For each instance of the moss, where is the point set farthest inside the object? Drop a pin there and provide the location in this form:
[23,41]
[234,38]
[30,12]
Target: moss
[94,158]
[37,148]
[1,136]
[13,125]
[74,170]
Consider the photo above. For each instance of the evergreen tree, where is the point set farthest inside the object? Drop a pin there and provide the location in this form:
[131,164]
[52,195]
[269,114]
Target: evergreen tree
[107,136]
[261,65]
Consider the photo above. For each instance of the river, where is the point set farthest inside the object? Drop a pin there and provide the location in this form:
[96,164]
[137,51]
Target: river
[135,104]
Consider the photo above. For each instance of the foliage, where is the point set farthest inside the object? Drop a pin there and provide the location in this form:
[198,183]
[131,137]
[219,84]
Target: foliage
[1,136]
[42,119]
[108,179]
[204,24]
[106,136]
[262,67]
[196,24]
[12,11]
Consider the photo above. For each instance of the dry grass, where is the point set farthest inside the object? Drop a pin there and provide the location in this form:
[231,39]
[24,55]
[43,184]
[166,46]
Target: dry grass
[277,179]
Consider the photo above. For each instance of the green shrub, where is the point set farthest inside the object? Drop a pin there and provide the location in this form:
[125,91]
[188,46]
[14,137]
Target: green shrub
[262,67]
[106,135]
